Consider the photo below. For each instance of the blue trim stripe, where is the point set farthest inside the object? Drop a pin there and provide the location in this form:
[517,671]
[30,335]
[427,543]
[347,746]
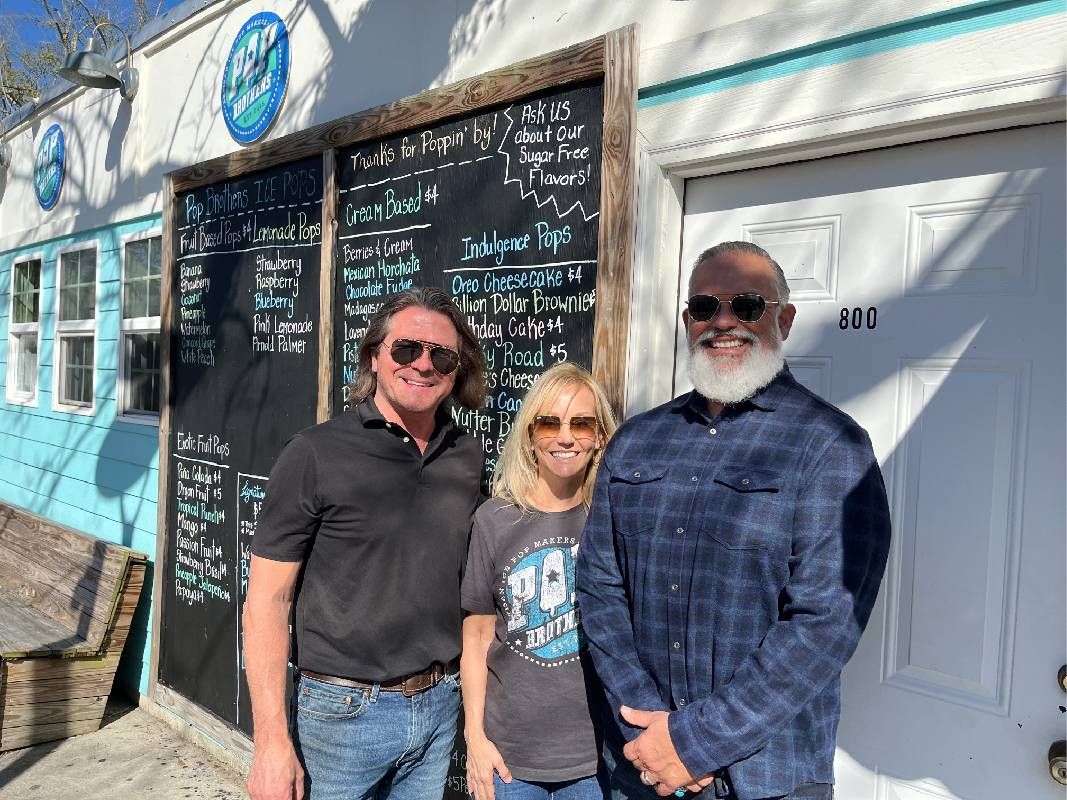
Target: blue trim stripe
[920,30]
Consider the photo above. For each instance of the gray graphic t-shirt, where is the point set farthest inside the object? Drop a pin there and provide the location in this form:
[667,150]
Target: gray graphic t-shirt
[521,568]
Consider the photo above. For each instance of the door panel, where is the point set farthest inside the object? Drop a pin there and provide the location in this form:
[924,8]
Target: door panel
[929,281]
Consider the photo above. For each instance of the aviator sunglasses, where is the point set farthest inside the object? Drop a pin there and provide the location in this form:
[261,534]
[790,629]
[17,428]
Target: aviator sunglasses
[405,351]
[548,425]
[747,307]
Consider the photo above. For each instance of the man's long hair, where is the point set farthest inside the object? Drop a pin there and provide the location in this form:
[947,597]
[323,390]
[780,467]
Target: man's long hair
[469,390]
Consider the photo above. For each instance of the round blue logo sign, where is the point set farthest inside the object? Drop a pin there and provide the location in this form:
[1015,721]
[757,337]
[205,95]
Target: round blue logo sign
[255,77]
[48,167]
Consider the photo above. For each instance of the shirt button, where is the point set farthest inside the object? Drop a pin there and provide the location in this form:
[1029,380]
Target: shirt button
[681,701]
[637,474]
[677,645]
[680,530]
[693,478]
[674,587]
[712,431]
[407,439]
[745,481]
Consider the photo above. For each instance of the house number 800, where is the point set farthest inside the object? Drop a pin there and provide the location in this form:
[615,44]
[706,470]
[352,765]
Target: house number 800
[854,318]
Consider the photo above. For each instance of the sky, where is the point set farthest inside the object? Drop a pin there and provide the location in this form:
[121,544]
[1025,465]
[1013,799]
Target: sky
[19,16]
[22,11]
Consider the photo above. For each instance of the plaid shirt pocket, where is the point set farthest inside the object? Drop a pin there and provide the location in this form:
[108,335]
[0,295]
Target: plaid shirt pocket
[747,509]
[635,495]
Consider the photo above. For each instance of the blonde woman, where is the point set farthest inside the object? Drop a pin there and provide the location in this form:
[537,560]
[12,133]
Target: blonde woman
[528,729]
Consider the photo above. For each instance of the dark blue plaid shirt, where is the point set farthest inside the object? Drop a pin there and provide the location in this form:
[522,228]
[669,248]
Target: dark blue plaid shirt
[727,570]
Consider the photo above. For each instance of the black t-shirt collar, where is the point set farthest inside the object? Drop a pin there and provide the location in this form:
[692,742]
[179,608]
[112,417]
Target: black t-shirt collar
[371,417]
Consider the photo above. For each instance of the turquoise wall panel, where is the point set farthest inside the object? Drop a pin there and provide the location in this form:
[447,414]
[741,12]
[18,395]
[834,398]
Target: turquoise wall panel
[136,444]
[111,477]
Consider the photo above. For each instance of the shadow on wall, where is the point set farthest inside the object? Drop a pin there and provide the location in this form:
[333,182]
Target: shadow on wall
[117,480]
[117,137]
[365,50]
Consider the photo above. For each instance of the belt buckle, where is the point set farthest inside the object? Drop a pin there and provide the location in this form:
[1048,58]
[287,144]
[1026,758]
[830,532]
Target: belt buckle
[416,684]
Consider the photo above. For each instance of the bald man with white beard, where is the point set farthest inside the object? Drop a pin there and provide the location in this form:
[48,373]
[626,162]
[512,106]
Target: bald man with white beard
[733,554]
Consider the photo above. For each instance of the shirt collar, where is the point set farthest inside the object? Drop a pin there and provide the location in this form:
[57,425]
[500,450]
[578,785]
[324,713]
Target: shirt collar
[368,412]
[766,399]
[370,416]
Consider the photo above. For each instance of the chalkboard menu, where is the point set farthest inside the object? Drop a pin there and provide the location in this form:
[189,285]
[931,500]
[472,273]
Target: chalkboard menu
[501,210]
[243,364]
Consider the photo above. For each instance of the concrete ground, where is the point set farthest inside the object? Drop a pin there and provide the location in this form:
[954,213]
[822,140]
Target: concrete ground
[133,756]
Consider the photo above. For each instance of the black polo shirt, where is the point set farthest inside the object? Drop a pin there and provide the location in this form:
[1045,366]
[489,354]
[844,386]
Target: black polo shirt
[383,531]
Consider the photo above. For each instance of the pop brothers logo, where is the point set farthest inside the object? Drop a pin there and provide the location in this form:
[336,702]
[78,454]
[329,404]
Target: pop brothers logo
[538,592]
[255,77]
[48,167]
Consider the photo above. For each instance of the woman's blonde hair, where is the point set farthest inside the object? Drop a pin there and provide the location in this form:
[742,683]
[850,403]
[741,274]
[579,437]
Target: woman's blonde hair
[515,476]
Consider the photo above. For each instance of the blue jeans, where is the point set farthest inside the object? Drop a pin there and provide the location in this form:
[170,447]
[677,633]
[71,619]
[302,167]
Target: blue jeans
[581,789]
[365,744]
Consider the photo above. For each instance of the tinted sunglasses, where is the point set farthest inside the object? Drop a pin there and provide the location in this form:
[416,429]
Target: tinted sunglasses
[747,307]
[405,351]
[548,425]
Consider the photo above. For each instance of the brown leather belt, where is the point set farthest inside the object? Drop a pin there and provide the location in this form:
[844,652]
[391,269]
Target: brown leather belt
[410,685]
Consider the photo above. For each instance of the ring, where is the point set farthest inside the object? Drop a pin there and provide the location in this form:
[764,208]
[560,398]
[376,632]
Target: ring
[647,779]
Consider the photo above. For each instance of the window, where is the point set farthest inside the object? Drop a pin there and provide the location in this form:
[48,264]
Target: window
[76,372]
[140,367]
[23,331]
[75,330]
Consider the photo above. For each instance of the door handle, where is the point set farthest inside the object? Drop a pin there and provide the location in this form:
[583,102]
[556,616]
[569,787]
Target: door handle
[1057,761]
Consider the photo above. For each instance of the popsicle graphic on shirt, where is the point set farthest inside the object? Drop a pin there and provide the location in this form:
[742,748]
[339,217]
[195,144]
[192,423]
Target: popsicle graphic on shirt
[542,616]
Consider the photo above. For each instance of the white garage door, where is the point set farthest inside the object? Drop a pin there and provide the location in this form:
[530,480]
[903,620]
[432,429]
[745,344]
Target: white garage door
[929,281]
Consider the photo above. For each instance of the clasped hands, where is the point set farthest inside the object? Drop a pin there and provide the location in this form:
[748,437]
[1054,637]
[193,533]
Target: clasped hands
[653,755]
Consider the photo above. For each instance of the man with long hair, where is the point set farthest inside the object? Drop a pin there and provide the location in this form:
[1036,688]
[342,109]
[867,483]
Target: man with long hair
[365,529]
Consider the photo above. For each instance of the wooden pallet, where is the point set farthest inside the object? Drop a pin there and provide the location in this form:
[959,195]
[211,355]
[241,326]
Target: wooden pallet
[67,601]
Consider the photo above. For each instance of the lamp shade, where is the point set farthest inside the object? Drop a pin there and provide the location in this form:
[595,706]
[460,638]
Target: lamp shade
[87,68]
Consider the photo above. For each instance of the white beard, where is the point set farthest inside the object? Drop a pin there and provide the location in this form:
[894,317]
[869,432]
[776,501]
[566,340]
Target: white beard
[730,384]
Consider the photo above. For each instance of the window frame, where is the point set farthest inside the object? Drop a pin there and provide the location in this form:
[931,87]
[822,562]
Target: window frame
[20,329]
[66,329]
[135,325]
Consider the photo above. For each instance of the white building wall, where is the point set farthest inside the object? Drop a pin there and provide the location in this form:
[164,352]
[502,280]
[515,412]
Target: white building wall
[349,56]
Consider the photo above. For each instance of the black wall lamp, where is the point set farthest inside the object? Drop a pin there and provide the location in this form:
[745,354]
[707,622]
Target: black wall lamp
[92,68]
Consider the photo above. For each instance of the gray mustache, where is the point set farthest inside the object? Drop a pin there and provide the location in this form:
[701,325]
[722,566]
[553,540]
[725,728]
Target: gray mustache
[735,333]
